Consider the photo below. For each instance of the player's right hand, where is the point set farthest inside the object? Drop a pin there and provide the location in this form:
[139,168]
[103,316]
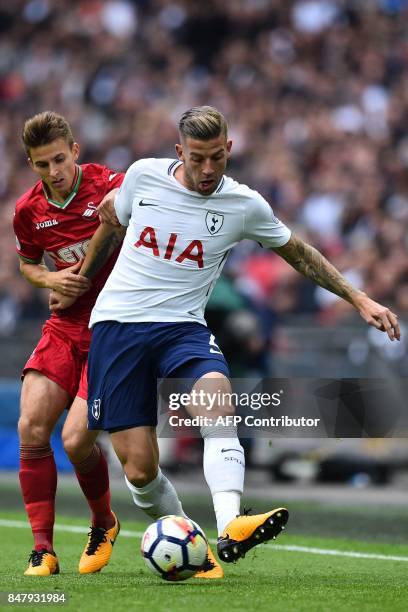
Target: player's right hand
[378,316]
[69,282]
[58,301]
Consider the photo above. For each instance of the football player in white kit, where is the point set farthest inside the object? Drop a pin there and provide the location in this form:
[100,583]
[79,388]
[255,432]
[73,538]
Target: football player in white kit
[180,219]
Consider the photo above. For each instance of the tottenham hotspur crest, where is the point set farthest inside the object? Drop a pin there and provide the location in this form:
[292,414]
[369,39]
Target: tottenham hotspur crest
[96,409]
[214,222]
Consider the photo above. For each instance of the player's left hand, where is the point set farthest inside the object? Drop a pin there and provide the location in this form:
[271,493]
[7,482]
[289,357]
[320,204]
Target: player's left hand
[106,209]
[378,316]
[58,301]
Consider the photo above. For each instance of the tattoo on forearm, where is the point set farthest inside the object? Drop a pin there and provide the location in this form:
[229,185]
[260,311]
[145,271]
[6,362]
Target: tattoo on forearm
[309,262]
[102,253]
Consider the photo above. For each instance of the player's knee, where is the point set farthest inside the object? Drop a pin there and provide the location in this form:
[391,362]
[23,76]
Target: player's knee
[74,445]
[140,476]
[32,430]
[215,397]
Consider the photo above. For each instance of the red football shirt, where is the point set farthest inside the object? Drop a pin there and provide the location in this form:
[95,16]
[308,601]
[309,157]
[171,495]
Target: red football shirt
[64,230]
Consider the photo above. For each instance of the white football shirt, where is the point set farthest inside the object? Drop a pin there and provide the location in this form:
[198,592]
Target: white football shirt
[177,242]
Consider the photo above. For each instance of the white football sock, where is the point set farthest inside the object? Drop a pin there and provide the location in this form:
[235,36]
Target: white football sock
[158,498]
[226,507]
[224,471]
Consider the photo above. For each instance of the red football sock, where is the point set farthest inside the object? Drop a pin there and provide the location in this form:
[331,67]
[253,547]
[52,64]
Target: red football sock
[38,480]
[93,478]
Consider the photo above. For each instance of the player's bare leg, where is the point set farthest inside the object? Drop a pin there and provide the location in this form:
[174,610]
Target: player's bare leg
[42,403]
[77,439]
[224,469]
[92,473]
[152,492]
[138,452]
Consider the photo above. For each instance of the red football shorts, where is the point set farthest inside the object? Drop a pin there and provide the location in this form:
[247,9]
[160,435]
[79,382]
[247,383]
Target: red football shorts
[83,382]
[61,355]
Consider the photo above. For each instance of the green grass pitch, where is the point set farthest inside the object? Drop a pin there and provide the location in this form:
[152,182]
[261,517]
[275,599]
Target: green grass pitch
[279,577]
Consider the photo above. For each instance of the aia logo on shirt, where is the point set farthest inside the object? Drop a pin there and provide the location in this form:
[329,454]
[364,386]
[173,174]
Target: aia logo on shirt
[194,251]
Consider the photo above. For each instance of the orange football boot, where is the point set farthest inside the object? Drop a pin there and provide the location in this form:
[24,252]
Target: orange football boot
[42,563]
[99,548]
[246,531]
[211,568]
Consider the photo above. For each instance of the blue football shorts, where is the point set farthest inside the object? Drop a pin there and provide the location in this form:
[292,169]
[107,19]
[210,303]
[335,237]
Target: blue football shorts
[127,359]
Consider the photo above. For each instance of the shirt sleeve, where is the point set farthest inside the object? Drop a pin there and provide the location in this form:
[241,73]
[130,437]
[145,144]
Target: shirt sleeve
[124,198]
[261,224]
[113,179]
[27,250]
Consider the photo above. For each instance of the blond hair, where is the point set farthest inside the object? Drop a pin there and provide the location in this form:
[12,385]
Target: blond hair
[203,123]
[44,128]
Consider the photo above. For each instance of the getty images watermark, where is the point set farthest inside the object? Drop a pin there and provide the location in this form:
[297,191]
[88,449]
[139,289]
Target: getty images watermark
[210,400]
[203,408]
[324,408]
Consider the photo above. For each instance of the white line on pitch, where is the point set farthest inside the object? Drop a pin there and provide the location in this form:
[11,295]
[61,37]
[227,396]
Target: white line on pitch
[284,547]
[336,553]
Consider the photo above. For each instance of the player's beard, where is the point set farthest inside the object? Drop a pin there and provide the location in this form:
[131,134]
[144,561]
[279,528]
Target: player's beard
[210,190]
[197,185]
[193,184]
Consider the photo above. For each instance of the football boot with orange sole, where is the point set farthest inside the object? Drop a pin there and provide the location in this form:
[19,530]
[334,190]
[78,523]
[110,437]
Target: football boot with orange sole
[99,548]
[42,563]
[211,568]
[246,531]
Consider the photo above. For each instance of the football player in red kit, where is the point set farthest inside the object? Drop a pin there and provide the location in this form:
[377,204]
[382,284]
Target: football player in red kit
[58,216]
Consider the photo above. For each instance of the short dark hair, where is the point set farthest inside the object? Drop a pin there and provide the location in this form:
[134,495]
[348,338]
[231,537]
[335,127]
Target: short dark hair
[203,123]
[44,128]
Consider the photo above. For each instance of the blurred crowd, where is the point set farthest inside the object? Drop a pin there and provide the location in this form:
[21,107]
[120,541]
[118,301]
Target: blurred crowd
[316,95]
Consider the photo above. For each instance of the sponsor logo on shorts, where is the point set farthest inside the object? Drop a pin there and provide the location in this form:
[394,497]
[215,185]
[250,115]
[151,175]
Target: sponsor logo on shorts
[96,409]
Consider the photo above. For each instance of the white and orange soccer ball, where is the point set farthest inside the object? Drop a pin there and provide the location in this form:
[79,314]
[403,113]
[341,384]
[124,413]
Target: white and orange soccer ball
[174,547]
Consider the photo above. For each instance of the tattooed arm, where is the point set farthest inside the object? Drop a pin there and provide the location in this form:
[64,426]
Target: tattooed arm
[104,241]
[312,264]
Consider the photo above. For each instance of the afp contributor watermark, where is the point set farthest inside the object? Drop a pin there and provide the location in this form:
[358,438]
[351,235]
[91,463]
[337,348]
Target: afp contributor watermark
[300,407]
[248,421]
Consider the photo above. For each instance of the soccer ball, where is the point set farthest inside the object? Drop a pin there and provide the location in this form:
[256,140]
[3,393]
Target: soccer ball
[174,547]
